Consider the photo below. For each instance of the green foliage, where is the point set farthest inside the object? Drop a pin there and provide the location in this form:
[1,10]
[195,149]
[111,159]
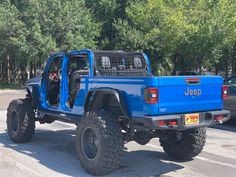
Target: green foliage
[12,31]
[186,34]
[57,25]
[31,29]
[176,34]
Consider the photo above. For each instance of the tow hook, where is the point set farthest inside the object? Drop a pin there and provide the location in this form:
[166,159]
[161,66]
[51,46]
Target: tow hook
[219,119]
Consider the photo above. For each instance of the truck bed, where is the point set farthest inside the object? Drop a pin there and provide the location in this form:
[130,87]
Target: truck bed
[176,94]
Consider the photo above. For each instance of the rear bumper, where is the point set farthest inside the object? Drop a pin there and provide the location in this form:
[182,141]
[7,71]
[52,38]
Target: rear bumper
[205,119]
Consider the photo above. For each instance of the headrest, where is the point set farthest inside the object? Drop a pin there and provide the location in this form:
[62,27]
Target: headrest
[138,62]
[106,63]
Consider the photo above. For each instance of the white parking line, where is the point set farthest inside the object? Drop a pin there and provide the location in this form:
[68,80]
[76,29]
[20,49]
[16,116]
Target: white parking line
[20,166]
[216,162]
[202,158]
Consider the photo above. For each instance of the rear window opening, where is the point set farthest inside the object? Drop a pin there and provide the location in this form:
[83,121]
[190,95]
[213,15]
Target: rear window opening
[78,63]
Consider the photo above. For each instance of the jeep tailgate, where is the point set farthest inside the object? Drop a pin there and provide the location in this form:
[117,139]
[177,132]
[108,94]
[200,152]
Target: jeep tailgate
[186,94]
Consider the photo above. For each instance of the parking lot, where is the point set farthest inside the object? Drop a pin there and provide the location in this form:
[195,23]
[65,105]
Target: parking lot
[52,153]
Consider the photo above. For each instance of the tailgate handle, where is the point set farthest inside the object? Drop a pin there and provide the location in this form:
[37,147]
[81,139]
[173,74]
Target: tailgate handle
[191,81]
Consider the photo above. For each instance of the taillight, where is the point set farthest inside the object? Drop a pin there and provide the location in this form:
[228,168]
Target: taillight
[225,90]
[151,95]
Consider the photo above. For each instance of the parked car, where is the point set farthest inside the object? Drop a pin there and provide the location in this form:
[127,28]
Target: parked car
[113,98]
[230,103]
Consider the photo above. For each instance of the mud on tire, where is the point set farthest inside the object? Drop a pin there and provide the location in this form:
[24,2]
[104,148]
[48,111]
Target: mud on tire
[184,145]
[20,121]
[99,143]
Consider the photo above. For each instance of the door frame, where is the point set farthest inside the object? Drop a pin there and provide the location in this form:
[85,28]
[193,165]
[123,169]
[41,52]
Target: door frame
[44,91]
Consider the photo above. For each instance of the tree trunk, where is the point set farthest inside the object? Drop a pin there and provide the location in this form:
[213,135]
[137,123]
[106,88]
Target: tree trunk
[234,60]
[227,63]
[31,69]
[1,72]
[4,71]
[8,70]
[217,69]
[200,66]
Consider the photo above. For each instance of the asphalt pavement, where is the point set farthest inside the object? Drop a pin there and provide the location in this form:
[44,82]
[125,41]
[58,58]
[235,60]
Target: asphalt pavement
[52,153]
[8,95]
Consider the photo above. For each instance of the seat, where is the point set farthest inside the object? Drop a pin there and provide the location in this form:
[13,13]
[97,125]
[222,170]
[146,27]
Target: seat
[74,81]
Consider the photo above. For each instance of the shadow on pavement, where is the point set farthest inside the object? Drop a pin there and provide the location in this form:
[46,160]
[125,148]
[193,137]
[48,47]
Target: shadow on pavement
[55,150]
[228,126]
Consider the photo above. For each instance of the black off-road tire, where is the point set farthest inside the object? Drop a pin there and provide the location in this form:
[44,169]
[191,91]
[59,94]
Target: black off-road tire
[191,144]
[108,142]
[142,137]
[20,121]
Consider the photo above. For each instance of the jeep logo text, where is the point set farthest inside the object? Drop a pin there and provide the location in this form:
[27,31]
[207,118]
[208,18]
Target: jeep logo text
[193,92]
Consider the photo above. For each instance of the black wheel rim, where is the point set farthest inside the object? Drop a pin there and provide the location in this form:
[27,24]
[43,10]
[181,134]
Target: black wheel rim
[14,121]
[89,143]
[176,138]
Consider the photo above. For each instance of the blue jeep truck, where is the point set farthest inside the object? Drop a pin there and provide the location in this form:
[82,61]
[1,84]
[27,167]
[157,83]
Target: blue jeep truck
[113,98]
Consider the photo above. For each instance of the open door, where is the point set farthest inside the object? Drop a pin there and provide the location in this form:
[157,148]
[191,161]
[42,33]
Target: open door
[51,82]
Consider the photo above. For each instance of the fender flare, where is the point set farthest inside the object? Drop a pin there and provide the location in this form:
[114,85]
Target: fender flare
[118,94]
[29,90]
[31,94]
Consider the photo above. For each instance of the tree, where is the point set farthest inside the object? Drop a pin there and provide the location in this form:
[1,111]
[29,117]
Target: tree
[187,35]
[31,29]
[12,41]
[176,34]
